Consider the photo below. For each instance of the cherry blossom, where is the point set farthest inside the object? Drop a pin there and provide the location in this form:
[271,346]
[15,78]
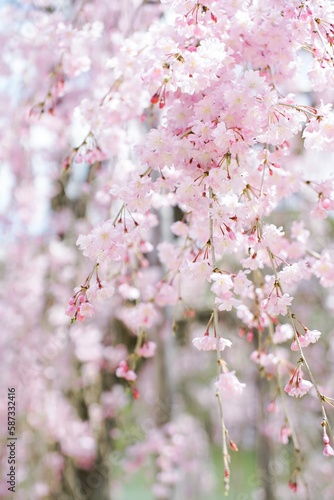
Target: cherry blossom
[85,310]
[174,166]
[123,371]
[277,305]
[293,486]
[324,269]
[285,434]
[147,350]
[310,337]
[328,450]
[207,343]
[297,386]
[267,361]
[229,385]
[283,333]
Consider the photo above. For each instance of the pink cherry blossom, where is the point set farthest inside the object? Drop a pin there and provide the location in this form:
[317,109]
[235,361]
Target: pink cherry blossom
[285,434]
[221,283]
[207,343]
[299,389]
[297,386]
[277,305]
[303,341]
[282,333]
[229,385]
[123,371]
[268,360]
[293,486]
[85,310]
[324,269]
[185,147]
[147,350]
[310,337]
[272,407]
[71,310]
[328,451]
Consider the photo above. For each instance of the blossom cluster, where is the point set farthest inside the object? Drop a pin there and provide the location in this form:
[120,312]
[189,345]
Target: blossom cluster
[173,140]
